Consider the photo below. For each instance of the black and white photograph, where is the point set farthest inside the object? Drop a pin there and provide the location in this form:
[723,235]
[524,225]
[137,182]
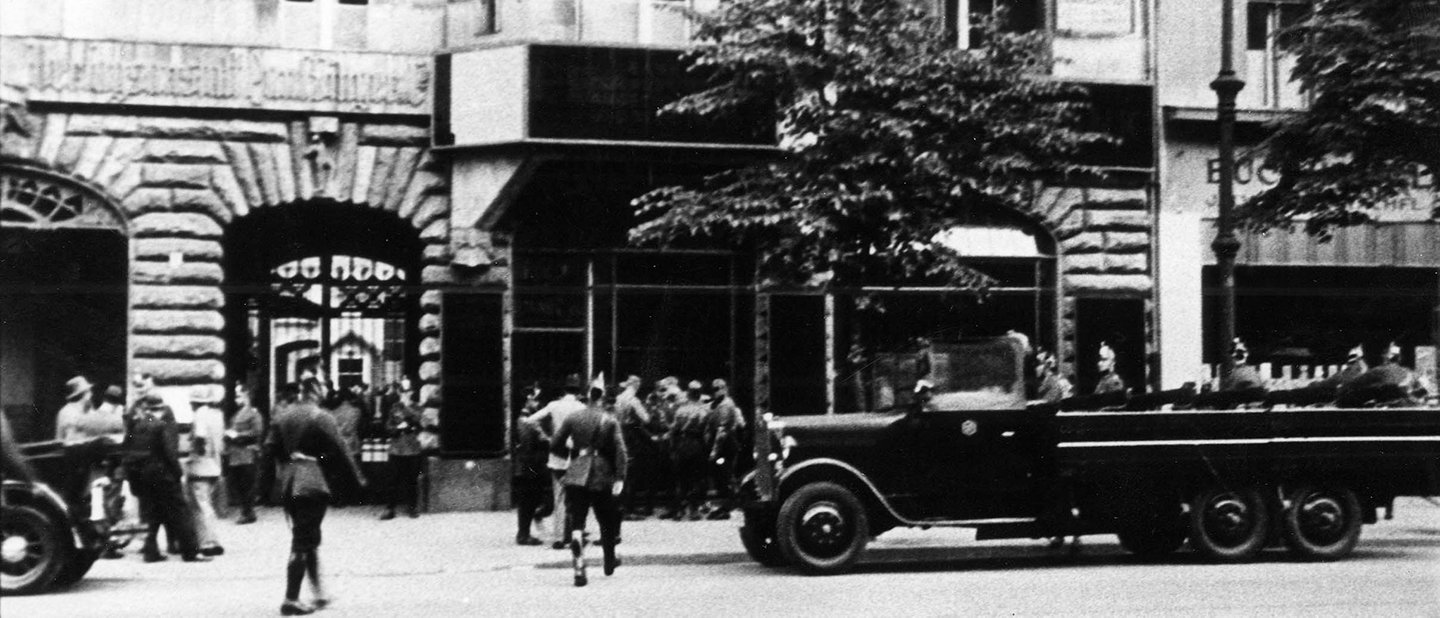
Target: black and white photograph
[719,308]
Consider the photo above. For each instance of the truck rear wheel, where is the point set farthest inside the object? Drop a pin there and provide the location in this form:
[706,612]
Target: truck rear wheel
[1229,525]
[822,528]
[1321,523]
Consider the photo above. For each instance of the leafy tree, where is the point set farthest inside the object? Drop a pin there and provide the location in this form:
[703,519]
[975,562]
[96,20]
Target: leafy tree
[1372,71]
[890,134]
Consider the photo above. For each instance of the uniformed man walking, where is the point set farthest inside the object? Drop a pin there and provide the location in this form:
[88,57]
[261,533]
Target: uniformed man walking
[641,443]
[728,423]
[593,478]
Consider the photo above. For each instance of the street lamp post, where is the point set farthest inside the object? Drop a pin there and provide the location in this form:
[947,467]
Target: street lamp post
[1226,246]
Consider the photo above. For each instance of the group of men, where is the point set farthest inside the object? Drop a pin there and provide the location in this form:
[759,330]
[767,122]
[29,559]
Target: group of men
[174,491]
[679,443]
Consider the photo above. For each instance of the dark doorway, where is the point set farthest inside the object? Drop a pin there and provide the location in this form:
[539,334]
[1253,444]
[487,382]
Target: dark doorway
[63,312]
[1118,322]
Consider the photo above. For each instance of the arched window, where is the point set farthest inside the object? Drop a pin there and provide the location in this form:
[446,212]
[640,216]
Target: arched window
[37,199]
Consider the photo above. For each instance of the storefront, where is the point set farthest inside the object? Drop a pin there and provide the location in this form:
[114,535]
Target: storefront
[1301,302]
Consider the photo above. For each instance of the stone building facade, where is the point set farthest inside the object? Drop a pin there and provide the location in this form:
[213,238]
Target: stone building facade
[215,191]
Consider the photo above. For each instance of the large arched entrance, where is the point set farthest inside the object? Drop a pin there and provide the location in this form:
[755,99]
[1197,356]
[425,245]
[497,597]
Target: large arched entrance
[321,284]
[64,265]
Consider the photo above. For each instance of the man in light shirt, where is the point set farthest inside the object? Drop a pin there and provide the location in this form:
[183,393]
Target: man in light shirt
[549,418]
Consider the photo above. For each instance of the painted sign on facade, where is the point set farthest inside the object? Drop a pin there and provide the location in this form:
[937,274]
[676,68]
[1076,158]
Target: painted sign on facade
[1091,18]
[1193,184]
[114,72]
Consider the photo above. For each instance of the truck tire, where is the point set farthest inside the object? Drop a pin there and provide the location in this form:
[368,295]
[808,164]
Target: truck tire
[78,566]
[34,548]
[762,547]
[1229,525]
[1321,523]
[822,528]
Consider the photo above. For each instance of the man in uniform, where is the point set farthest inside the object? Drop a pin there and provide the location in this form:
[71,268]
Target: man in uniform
[640,443]
[1355,366]
[1243,376]
[152,464]
[1110,381]
[1388,384]
[1051,386]
[691,438]
[728,422]
[594,477]
[242,443]
[661,404]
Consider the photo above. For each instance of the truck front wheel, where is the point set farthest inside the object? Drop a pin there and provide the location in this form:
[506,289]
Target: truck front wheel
[1321,523]
[822,528]
[34,548]
[1229,525]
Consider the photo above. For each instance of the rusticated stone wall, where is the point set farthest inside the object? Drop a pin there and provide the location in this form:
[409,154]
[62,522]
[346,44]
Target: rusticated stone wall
[1105,241]
[181,181]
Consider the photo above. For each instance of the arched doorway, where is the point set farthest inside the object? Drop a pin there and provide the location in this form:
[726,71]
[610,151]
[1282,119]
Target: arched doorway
[325,285]
[64,277]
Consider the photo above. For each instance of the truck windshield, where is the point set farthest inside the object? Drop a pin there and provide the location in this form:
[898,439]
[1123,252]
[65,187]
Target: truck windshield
[975,375]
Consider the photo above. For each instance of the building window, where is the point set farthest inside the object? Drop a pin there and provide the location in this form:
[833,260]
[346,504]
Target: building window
[1267,62]
[1264,19]
[962,16]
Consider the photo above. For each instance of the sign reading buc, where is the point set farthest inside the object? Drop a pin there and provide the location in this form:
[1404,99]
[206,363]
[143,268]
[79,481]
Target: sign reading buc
[129,73]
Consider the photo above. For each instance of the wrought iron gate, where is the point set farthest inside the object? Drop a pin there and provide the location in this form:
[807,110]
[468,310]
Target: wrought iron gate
[342,316]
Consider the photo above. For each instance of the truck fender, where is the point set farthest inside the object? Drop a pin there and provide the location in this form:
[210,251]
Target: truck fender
[836,471]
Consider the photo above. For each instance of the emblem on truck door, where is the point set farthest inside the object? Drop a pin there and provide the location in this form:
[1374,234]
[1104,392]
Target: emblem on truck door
[969,427]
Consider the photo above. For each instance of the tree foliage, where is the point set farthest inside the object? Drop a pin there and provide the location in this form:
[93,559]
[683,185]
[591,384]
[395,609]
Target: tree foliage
[1372,71]
[889,135]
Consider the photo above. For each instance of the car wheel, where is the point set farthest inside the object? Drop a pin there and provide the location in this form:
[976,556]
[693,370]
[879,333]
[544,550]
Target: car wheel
[1321,523]
[822,528]
[1229,525]
[33,550]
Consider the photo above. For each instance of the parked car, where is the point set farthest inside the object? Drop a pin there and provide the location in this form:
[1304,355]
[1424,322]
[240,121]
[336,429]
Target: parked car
[48,537]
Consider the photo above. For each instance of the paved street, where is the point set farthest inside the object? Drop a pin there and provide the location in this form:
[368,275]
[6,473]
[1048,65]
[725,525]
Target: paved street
[463,564]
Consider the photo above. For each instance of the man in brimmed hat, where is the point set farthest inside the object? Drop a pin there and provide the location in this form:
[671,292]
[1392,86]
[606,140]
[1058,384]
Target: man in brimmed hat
[77,404]
[553,414]
[691,438]
[728,421]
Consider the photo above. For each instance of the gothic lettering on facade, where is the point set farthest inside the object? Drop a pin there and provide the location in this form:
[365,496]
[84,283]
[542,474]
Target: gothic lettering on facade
[211,76]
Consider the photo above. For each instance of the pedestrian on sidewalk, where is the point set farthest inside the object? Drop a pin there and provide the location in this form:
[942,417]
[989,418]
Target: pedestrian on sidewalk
[243,447]
[555,414]
[593,478]
[202,474]
[727,421]
[530,482]
[405,452]
[306,447]
[152,464]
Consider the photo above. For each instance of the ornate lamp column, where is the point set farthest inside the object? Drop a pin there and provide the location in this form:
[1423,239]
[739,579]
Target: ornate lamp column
[1226,246]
